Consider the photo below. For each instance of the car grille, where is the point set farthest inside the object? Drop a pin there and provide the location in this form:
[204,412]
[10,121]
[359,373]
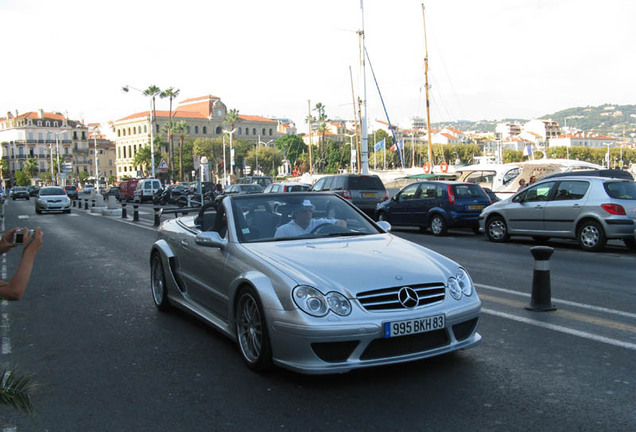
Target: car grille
[403,345]
[388,298]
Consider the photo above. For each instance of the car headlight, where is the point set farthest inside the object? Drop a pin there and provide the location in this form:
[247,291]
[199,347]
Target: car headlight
[315,303]
[460,284]
[464,281]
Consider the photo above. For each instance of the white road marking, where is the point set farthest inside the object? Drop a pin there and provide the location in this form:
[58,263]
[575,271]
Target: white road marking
[565,302]
[561,329]
[24,216]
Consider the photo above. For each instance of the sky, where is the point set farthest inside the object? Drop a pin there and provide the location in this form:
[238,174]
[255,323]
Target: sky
[488,59]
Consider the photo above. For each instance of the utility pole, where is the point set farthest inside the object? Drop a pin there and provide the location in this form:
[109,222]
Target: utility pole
[311,143]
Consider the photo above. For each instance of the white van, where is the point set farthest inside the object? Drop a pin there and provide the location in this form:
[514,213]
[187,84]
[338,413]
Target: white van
[145,189]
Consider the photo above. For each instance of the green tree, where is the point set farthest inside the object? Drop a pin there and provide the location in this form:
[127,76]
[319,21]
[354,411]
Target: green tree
[181,128]
[291,147]
[16,390]
[322,129]
[31,167]
[22,178]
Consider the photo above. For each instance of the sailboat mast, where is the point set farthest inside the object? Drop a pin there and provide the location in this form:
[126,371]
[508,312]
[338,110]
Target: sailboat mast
[363,120]
[428,104]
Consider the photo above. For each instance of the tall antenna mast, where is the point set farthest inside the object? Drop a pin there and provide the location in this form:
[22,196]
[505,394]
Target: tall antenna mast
[428,104]
[363,120]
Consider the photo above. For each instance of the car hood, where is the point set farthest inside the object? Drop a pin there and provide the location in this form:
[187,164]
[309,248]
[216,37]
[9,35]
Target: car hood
[355,264]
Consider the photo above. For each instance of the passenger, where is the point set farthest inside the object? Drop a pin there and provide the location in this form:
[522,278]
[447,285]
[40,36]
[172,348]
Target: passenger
[522,184]
[533,179]
[302,222]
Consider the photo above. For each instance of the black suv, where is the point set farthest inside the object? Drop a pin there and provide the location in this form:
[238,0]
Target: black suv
[364,191]
[71,192]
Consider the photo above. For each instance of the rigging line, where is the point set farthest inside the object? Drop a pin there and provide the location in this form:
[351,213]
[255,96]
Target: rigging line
[391,127]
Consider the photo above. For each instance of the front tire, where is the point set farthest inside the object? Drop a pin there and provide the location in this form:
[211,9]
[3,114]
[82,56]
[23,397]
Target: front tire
[497,230]
[438,225]
[158,284]
[591,236]
[251,331]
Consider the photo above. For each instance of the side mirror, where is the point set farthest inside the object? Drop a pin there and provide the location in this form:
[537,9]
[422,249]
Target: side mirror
[210,239]
[395,197]
[517,198]
[384,225]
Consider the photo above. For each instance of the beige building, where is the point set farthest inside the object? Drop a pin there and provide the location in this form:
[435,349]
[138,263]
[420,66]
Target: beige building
[44,136]
[204,115]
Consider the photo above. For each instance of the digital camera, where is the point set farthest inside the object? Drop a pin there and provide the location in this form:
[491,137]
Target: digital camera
[18,236]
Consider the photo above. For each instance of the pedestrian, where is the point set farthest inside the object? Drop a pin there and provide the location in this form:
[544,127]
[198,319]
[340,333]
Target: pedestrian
[532,180]
[522,184]
[32,241]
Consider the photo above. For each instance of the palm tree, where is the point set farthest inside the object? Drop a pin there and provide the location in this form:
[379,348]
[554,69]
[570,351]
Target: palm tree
[182,129]
[170,93]
[152,91]
[231,118]
[16,390]
[31,167]
[322,128]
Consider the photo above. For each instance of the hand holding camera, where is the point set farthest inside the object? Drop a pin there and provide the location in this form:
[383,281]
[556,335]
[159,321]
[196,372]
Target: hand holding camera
[18,236]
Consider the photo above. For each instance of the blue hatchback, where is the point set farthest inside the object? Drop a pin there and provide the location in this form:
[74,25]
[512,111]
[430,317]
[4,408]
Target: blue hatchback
[437,205]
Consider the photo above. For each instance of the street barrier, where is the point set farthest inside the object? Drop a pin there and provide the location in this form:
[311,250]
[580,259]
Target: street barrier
[157,216]
[135,212]
[124,215]
[85,203]
[541,299]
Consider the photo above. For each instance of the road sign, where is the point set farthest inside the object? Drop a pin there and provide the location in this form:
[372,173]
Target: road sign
[67,167]
[163,166]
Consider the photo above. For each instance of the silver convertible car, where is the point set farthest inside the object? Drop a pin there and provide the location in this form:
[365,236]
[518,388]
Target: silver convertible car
[315,295]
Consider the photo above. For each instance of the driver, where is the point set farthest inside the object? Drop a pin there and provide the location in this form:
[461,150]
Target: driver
[302,222]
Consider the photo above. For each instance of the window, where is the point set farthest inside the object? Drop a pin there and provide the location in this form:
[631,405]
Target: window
[205,130]
[409,192]
[428,191]
[253,131]
[247,131]
[571,190]
[218,130]
[196,129]
[539,192]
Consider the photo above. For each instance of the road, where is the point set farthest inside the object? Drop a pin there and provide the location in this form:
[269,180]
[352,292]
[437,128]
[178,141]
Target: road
[106,359]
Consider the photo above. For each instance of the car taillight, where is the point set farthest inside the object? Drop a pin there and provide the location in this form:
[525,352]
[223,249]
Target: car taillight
[451,195]
[346,194]
[386,196]
[614,209]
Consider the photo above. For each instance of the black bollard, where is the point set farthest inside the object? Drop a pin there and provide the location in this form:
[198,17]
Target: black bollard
[135,212]
[157,216]
[123,211]
[85,203]
[74,204]
[93,203]
[541,300]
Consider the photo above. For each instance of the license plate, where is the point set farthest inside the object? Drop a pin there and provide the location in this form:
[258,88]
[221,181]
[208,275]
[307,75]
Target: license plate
[475,207]
[368,195]
[414,326]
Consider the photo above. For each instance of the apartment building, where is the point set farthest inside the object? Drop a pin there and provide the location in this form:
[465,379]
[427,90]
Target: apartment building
[205,117]
[43,136]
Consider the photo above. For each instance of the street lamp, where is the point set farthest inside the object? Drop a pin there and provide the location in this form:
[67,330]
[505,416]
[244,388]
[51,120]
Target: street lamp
[126,89]
[352,154]
[231,150]
[96,169]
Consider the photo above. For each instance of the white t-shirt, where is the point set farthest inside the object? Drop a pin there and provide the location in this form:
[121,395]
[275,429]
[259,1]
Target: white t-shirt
[292,229]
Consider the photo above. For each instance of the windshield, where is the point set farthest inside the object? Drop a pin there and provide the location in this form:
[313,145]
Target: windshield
[283,217]
[52,191]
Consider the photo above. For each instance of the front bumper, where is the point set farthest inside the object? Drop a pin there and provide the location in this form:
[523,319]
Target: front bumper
[336,347]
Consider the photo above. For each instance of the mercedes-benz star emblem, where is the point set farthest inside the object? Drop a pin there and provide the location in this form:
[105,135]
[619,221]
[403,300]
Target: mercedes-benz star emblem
[408,297]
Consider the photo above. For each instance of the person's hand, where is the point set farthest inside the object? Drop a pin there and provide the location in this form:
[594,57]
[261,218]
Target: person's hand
[33,242]
[6,242]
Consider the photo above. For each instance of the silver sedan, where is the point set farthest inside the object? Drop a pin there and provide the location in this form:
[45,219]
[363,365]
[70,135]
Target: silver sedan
[52,198]
[308,293]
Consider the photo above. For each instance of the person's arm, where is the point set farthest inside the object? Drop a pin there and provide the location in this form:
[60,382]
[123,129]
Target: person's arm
[14,289]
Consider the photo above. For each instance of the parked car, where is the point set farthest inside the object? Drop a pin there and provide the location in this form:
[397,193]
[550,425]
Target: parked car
[19,192]
[71,192]
[437,205]
[33,190]
[126,189]
[88,188]
[263,181]
[318,303]
[237,189]
[287,187]
[145,189]
[111,191]
[52,198]
[589,209]
[364,191]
